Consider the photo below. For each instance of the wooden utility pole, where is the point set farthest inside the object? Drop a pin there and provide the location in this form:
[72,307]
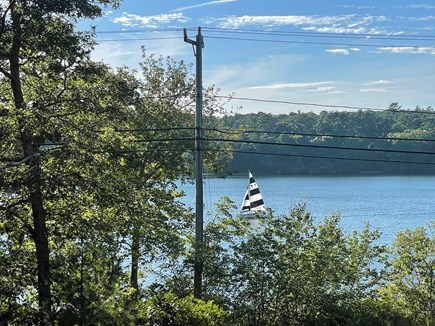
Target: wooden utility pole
[198,44]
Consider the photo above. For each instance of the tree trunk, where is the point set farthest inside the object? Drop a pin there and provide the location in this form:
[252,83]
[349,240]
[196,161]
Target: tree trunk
[134,260]
[40,237]
[32,181]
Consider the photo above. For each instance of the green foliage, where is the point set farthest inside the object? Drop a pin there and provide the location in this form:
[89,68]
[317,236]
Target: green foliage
[167,309]
[410,292]
[289,270]
[305,133]
[295,270]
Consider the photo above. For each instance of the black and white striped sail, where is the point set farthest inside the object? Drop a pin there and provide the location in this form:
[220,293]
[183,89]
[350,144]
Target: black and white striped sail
[252,201]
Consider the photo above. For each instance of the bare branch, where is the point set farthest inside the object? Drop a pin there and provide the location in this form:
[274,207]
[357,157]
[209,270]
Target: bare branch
[24,160]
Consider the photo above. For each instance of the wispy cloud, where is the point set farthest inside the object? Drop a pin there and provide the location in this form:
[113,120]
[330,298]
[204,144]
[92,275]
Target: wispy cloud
[337,24]
[343,51]
[373,90]
[408,50]
[132,20]
[240,21]
[259,71]
[376,86]
[422,19]
[294,85]
[339,51]
[421,6]
[321,89]
[378,82]
[204,4]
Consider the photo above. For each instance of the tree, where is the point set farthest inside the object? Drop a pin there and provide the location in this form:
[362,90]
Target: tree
[288,270]
[410,291]
[78,188]
[38,43]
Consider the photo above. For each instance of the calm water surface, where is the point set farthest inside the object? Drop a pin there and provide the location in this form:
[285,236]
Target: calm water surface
[391,203]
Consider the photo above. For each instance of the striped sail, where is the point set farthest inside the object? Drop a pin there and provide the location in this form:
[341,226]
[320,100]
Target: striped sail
[252,201]
[246,206]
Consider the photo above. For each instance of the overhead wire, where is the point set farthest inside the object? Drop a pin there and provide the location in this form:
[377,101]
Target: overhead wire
[318,146]
[287,33]
[319,34]
[312,43]
[271,32]
[281,33]
[129,151]
[246,131]
[323,105]
[296,145]
[321,157]
[290,133]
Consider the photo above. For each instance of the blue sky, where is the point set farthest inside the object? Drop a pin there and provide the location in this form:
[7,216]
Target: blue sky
[334,53]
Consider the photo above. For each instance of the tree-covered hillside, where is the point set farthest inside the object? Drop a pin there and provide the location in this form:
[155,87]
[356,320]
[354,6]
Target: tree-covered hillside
[393,141]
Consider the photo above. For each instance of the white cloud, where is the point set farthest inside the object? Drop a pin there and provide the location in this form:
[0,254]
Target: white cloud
[321,89]
[422,19]
[204,4]
[293,85]
[421,6]
[339,51]
[240,21]
[408,50]
[378,82]
[335,24]
[132,20]
[373,90]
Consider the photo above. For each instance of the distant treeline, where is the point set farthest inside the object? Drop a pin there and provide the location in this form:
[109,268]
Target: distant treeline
[393,141]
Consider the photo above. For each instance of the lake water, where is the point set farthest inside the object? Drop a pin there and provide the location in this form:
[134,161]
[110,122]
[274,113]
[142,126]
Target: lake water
[390,203]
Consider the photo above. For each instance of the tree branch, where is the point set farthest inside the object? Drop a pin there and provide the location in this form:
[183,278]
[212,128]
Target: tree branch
[3,18]
[6,73]
[24,160]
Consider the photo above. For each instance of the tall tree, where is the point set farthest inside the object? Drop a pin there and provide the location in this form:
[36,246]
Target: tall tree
[163,121]
[37,41]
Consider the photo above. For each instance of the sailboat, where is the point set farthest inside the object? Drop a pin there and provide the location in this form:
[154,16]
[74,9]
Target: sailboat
[253,204]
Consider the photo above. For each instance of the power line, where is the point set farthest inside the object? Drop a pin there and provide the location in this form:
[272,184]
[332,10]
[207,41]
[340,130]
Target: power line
[322,105]
[242,131]
[131,151]
[387,37]
[321,34]
[311,43]
[318,146]
[392,37]
[299,103]
[273,32]
[235,131]
[154,129]
[163,139]
[137,31]
[140,39]
[322,157]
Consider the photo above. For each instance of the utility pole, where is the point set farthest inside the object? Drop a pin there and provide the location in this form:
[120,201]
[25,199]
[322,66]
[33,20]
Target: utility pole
[198,44]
